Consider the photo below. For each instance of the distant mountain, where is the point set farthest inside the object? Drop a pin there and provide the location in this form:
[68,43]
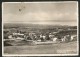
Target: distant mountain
[18,25]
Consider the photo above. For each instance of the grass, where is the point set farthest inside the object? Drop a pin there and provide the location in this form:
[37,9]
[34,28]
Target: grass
[60,48]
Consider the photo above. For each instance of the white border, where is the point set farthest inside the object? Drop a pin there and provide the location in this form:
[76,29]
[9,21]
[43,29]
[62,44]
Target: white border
[2,30]
[45,2]
[42,54]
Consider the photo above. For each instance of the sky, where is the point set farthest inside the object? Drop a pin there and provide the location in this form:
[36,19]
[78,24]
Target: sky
[62,13]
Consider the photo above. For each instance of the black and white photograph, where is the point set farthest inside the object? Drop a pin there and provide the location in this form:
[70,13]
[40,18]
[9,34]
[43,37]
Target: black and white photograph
[40,28]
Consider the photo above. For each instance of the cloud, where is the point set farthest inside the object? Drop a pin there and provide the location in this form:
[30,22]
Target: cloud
[40,17]
[53,13]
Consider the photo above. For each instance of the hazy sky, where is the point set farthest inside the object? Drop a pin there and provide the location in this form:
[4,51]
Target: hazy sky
[63,13]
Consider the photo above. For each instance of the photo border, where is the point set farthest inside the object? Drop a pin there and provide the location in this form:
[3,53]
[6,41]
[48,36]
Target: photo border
[42,54]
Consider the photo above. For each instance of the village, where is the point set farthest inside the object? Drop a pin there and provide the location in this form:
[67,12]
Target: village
[60,36]
[20,40]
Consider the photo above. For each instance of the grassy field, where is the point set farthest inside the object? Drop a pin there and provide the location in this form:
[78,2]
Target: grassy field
[60,48]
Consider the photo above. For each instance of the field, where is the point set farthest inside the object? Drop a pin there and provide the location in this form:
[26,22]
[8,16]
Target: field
[60,48]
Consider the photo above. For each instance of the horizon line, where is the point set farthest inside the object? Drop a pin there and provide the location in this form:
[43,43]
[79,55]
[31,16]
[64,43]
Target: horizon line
[41,24]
